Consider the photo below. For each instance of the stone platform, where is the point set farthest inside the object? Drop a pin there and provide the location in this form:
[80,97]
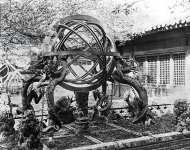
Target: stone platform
[108,136]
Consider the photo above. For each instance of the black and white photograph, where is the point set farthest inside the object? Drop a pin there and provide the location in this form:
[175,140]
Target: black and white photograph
[94,74]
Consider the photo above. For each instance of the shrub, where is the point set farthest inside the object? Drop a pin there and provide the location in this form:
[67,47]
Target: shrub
[64,110]
[182,114]
[6,123]
[180,106]
[29,129]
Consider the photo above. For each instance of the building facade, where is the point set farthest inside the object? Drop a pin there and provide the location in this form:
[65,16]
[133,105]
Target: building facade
[163,54]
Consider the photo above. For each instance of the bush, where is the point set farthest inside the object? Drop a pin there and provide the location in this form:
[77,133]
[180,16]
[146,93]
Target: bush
[64,110]
[182,114]
[6,123]
[29,130]
[180,106]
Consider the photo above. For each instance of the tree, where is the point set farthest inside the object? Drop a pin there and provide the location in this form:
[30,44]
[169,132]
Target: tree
[25,22]
[30,20]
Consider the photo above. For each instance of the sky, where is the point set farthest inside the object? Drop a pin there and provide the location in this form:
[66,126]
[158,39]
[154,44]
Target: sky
[166,11]
[147,14]
[160,11]
[154,12]
[151,13]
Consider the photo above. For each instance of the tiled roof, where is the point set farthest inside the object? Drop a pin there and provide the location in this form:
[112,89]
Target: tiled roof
[161,28]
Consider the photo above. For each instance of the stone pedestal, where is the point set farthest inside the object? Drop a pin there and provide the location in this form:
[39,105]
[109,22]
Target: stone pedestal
[82,121]
[82,125]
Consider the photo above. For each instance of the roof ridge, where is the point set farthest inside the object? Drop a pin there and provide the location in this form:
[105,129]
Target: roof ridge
[160,28]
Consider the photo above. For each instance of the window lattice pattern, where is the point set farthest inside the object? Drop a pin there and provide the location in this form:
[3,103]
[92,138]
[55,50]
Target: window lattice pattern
[164,69]
[179,69]
[152,69]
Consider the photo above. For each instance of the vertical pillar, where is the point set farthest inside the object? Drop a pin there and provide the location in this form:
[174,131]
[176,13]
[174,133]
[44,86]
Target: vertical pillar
[171,71]
[119,90]
[158,71]
[146,66]
[82,122]
[157,75]
[187,68]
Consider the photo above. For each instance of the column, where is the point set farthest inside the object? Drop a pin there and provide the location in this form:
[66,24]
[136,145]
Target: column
[187,68]
[157,76]
[146,73]
[158,71]
[146,66]
[171,71]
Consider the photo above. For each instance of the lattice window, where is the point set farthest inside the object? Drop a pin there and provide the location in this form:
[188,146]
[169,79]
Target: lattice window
[179,69]
[164,69]
[152,69]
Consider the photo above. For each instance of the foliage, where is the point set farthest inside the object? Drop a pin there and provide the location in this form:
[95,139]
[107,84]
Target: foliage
[29,21]
[180,106]
[184,121]
[64,110]
[182,114]
[25,22]
[7,123]
[29,129]
[162,124]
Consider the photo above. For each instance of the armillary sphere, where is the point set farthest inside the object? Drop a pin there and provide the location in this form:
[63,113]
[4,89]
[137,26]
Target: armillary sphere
[81,39]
